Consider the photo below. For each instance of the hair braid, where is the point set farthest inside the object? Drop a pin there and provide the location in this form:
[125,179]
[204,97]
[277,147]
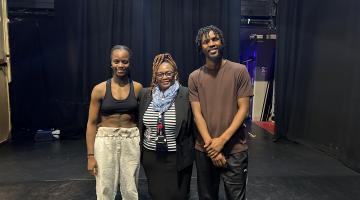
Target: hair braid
[158,60]
[204,31]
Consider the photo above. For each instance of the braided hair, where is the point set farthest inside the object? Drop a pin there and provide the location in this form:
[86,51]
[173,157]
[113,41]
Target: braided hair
[204,31]
[158,60]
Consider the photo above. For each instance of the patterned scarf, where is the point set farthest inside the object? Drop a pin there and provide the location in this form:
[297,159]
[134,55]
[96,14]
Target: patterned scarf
[163,100]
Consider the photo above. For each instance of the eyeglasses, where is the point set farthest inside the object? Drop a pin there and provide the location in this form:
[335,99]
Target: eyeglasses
[167,74]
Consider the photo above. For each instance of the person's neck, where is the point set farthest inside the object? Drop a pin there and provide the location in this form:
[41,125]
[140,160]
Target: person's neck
[121,80]
[214,64]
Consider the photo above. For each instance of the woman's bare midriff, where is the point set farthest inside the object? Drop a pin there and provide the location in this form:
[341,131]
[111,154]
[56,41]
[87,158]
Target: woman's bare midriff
[118,120]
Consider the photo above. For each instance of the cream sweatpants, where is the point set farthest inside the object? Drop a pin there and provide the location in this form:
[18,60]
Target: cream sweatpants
[117,153]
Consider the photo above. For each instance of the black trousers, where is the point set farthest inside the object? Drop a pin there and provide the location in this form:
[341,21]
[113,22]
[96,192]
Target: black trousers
[234,176]
[165,182]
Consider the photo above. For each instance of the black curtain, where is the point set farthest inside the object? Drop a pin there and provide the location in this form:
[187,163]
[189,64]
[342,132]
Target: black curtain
[82,33]
[317,76]
[30,41]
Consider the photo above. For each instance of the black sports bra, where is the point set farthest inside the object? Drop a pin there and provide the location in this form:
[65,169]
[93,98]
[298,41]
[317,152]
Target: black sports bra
[110,106]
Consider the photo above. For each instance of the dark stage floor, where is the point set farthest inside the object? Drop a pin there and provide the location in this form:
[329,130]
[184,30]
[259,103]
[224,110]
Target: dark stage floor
[277,171]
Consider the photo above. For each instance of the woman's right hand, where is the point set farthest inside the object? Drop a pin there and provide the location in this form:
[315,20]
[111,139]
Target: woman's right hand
[92,166]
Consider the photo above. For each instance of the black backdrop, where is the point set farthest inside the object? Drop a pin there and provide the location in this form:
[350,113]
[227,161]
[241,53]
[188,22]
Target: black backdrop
[57,60]
[317,76]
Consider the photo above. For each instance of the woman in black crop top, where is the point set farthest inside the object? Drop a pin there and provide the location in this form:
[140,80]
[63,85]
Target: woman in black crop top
[112,136]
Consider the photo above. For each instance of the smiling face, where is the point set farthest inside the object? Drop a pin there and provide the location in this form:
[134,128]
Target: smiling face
[165,76]
[120,62]
[211,46]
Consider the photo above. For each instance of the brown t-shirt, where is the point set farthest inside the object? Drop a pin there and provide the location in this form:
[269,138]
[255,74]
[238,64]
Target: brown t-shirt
[218,92]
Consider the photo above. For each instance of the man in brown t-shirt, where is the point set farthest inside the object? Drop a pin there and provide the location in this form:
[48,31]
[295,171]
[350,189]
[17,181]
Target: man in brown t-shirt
[220,94]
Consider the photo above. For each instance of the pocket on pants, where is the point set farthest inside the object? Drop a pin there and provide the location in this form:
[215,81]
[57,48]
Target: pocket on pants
[104,144]
[237,164]
[131,146]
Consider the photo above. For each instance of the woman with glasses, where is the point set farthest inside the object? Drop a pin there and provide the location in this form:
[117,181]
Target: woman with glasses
[112,135]
[166,129]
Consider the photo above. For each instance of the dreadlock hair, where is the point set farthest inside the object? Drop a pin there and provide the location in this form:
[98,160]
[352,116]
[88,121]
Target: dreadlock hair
[121,47]
[158,60]
[204,31]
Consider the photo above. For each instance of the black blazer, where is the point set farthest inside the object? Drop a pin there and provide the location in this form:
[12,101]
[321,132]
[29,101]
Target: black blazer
[185,142]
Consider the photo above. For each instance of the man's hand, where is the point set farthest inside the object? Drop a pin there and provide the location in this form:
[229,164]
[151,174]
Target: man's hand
[219,160]
[207,142]
[215,146]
